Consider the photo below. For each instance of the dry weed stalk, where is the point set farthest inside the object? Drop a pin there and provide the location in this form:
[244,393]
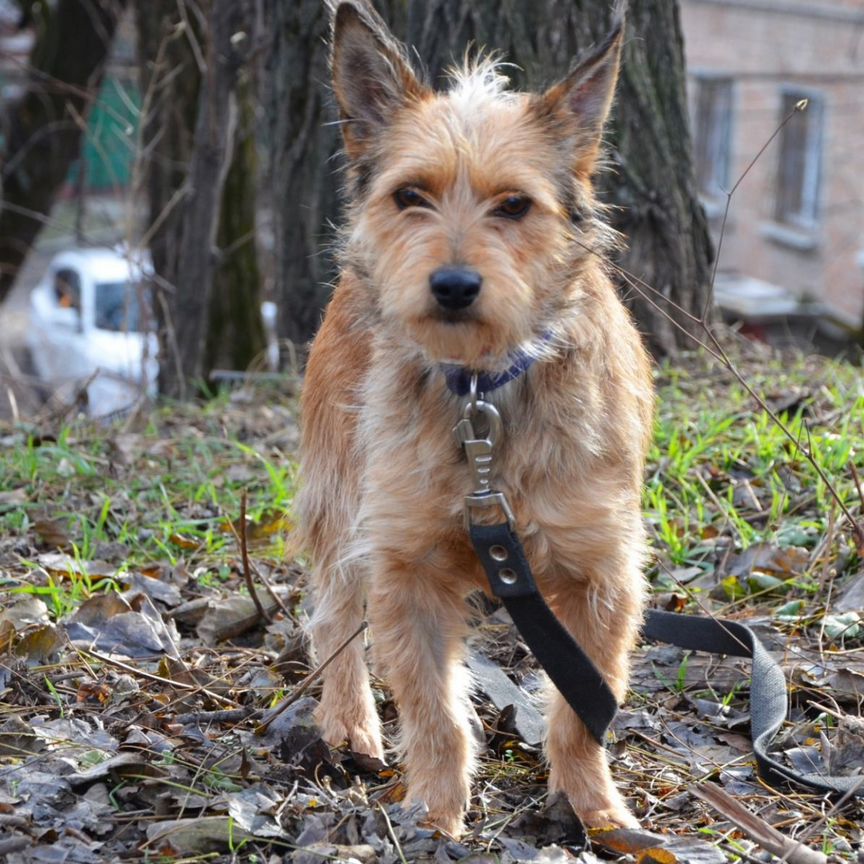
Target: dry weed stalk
[768,837]
[713,345]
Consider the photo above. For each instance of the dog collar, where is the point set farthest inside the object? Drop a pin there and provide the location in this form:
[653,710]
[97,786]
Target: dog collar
[458,378]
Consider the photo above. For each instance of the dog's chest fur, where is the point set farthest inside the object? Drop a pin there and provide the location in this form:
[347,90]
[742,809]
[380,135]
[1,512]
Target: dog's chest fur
[556,460]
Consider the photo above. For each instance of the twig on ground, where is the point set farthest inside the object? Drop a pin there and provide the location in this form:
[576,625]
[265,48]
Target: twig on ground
[310,679]
[271,591]
[249,568]
[823,819]
[232,715]
[827,574]
[857,480]
[247,572]
[150,676]
[756,828]
[392,834]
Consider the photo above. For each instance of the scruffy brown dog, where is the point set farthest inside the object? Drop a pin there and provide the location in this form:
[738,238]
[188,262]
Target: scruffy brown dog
[468,244]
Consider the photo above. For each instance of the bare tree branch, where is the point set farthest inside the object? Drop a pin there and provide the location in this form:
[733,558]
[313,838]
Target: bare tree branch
[43,138]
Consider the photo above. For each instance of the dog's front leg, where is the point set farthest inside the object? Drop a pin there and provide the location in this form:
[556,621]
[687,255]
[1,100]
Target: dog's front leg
[418,627]
[347,708]
[604,615]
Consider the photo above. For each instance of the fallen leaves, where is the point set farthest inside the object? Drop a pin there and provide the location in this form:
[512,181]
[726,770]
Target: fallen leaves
[136,673]
[129,625]
[768,837]
[231,616]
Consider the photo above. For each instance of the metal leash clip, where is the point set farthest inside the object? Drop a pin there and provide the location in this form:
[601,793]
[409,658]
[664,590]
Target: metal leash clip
[476,417]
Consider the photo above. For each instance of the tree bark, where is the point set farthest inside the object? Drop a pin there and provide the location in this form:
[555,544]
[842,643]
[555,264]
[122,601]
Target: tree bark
[303,146]
[191,59]
[214,131]
[304,158]
[170,80]
[43,135]
[235,332]
[651,182]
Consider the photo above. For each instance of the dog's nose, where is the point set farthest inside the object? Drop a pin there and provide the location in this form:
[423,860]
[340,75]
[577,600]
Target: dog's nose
[455,287]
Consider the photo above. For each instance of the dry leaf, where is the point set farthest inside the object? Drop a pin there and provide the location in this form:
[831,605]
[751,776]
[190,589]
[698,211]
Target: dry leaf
[197,836]
[38,646]
[52,532]
[13,498]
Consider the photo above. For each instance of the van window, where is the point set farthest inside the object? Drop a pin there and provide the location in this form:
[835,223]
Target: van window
[67,289]
[117,307]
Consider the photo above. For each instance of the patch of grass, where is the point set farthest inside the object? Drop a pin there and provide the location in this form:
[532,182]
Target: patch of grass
[168,493]
[63,590]
[724,477]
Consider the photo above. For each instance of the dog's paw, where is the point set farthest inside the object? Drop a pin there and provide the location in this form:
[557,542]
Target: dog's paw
[451,825]
[442,805]
[610,818]
[361,739]
[366,742]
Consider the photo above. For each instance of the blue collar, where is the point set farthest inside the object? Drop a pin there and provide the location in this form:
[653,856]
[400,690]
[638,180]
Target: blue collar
[458,378]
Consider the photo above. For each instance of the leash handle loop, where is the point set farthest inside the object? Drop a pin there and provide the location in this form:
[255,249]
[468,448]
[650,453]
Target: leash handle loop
[768,692]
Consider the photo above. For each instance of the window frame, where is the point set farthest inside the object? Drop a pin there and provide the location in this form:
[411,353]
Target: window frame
[807,217]
[716,189]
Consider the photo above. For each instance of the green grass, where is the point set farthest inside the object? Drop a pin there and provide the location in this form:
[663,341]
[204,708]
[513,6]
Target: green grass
[723,472]
[721,475]
[172,497]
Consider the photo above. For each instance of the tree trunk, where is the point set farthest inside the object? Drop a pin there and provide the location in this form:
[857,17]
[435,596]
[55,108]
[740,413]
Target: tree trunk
[191,58]
[211,157]
[651,182]
[170,79]
[303,146]
[43,135]
[235,333]
[304,158]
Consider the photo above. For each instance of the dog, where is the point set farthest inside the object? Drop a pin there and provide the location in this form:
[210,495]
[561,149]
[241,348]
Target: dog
[473,237]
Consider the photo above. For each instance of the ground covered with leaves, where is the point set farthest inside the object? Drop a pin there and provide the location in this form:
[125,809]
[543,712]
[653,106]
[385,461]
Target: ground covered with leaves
[153,709]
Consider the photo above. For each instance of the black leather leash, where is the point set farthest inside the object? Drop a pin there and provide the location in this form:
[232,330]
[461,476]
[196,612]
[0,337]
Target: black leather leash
[583,686]
[569,667]
[580,682]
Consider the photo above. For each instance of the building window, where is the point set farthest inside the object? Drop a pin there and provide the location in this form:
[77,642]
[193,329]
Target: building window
[799,174]
[713,135]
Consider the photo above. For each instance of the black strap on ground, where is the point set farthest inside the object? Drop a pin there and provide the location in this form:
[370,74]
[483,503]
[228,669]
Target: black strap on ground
[583,686]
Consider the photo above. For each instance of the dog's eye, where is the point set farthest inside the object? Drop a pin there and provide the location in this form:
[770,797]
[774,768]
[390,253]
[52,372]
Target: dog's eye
[409,197]
[514,207]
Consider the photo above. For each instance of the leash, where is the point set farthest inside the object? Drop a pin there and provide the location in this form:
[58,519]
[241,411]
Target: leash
[568,666]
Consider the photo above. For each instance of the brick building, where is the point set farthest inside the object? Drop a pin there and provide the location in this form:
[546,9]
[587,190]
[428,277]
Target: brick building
[794,239]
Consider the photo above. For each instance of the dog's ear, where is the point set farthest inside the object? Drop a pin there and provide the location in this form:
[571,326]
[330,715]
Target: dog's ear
[371,77]
[579,104]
